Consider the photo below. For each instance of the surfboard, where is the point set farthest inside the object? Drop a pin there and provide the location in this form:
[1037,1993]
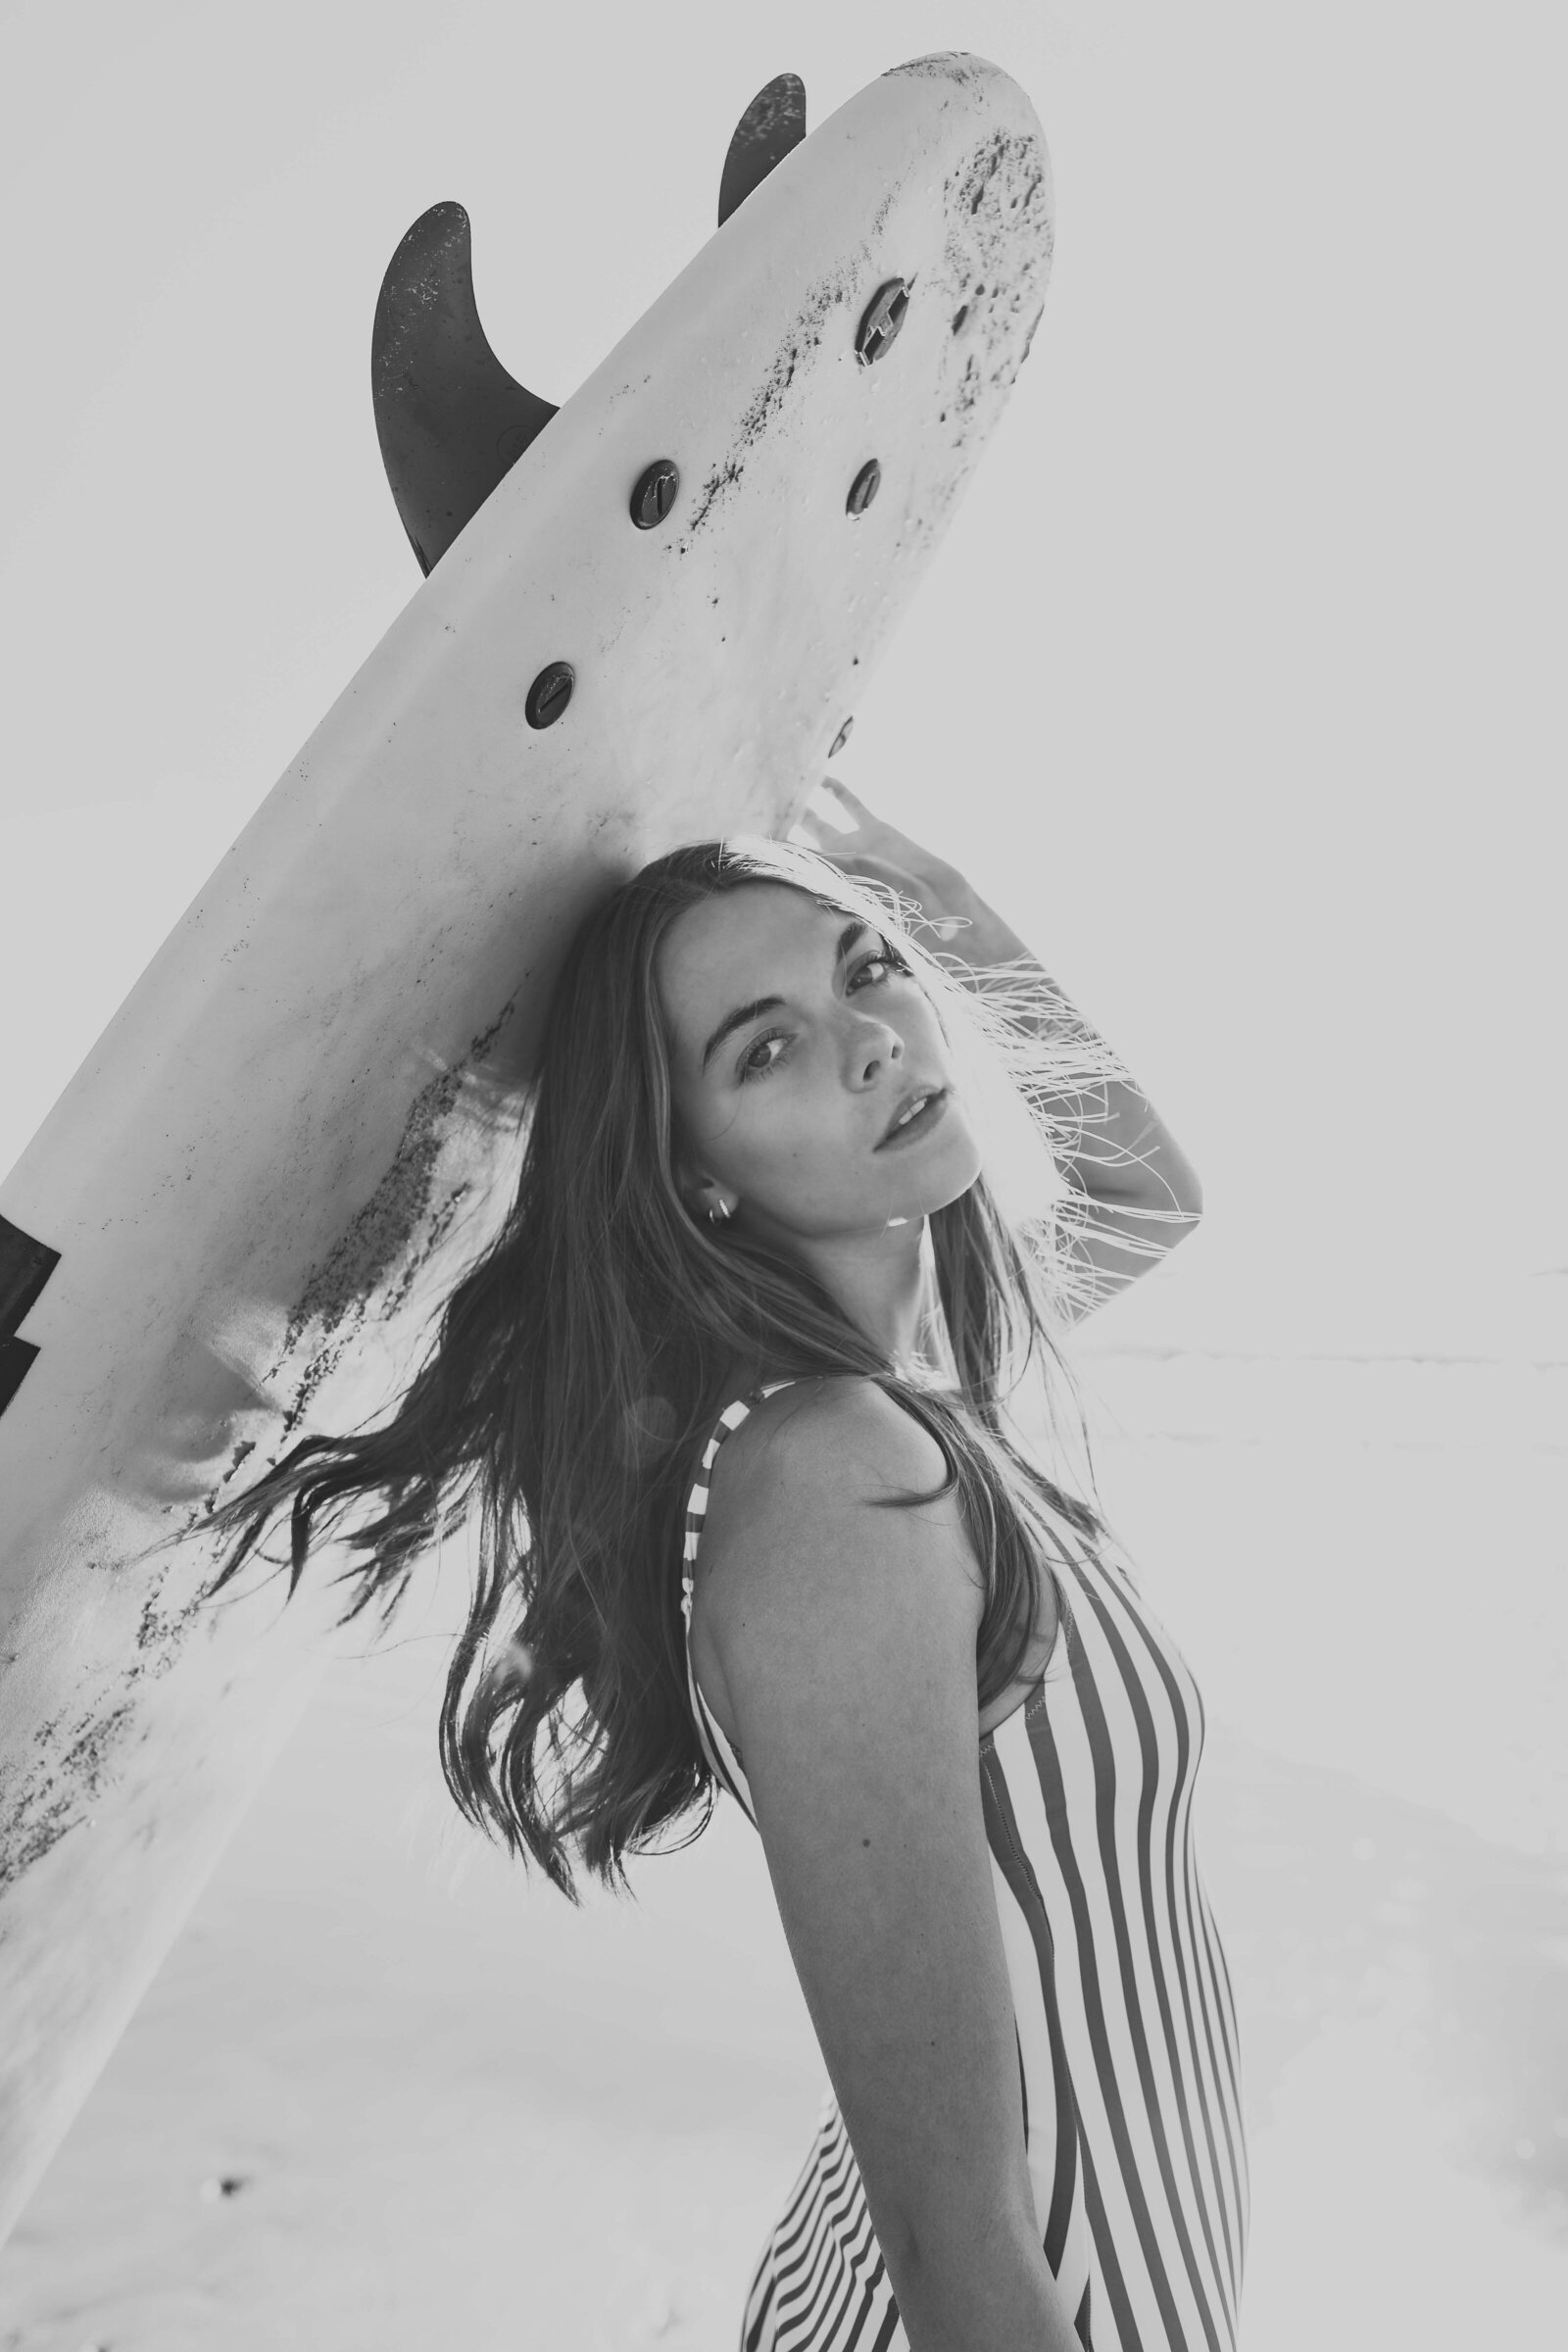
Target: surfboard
[648,616]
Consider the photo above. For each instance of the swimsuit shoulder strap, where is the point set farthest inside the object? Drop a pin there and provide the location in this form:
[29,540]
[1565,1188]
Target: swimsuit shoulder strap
[724,1759]
[697,1501]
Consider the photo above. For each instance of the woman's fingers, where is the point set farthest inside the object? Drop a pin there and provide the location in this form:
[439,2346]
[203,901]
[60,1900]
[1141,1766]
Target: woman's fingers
[840,792]
[873,831]
[941,879]
[862,843]
[829,804]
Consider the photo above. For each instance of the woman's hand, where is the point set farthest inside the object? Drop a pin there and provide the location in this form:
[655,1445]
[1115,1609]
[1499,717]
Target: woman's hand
[877,852]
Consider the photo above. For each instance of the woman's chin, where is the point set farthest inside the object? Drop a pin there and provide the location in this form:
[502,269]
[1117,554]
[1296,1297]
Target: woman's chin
[923,1202]
[953,1172]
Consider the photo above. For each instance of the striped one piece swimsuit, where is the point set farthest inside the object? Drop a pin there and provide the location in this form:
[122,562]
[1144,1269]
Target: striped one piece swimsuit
[1127,2043]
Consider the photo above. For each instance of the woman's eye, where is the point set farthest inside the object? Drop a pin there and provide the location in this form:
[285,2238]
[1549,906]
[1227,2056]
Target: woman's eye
[760,1069]
[751,1068]
[882,956]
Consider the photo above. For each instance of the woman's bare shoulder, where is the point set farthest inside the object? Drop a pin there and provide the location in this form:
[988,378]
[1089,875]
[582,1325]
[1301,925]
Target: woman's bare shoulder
[794,1502]
[817,1428]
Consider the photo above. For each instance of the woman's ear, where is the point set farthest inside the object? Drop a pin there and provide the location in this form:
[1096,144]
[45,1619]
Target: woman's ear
[701,1195]
[689,1181]
[706,1197]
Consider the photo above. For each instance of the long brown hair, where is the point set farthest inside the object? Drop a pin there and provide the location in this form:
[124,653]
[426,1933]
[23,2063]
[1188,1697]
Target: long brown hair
[578,1368]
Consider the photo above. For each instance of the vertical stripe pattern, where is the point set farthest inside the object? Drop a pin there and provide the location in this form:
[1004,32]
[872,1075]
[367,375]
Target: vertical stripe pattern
[1128,2055]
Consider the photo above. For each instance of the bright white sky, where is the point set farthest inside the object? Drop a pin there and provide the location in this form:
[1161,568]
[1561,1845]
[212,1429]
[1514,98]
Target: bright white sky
[1234,684]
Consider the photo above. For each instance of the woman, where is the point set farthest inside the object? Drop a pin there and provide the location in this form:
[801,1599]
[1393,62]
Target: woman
[777,1272]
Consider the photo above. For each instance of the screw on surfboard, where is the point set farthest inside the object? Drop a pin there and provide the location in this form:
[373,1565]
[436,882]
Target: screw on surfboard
[450,418]
[885,315]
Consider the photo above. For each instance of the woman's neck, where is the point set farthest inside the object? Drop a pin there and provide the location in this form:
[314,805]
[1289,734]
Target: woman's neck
[905,1319]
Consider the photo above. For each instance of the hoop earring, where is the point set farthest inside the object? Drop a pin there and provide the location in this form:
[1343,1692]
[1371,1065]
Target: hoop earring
[720,1213]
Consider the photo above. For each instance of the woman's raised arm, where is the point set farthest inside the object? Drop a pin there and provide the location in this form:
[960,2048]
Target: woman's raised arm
[846,1634]
[1142,1191]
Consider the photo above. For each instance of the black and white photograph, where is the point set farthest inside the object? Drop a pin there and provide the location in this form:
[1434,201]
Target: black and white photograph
[783,1246]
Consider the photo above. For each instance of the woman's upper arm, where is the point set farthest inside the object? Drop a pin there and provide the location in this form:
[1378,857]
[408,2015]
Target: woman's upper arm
[1115,1245]
[847,1636]
[1137,1202]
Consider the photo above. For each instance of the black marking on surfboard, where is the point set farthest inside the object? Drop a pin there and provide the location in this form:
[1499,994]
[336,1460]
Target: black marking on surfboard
[996,191]
[802,338]
[15,1363]
[26,1266]
[961,66]
[450,420]
[408,1218]
[773,124]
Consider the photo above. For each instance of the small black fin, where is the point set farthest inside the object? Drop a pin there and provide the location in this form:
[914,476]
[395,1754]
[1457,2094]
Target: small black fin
[773,124]
[450,420]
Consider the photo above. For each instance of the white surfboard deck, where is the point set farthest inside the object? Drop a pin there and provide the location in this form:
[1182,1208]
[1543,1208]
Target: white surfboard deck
[270,1167]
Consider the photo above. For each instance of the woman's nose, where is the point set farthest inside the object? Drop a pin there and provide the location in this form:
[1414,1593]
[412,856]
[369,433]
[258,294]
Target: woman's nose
[875,1045]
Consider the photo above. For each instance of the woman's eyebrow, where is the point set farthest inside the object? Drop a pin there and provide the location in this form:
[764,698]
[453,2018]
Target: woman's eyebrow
[761,1005]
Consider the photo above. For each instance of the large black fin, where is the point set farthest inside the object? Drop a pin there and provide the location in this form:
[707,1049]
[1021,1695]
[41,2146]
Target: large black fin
[450,420]
[773,124]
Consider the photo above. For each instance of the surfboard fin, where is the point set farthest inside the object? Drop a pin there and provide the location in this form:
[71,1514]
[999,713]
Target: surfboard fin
[773,124]
[449,418]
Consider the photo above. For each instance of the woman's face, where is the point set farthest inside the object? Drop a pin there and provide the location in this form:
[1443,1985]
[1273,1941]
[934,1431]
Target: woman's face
[785,1107]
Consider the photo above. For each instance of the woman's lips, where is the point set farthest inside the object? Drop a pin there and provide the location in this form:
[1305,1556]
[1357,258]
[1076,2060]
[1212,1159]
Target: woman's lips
[922,1123]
